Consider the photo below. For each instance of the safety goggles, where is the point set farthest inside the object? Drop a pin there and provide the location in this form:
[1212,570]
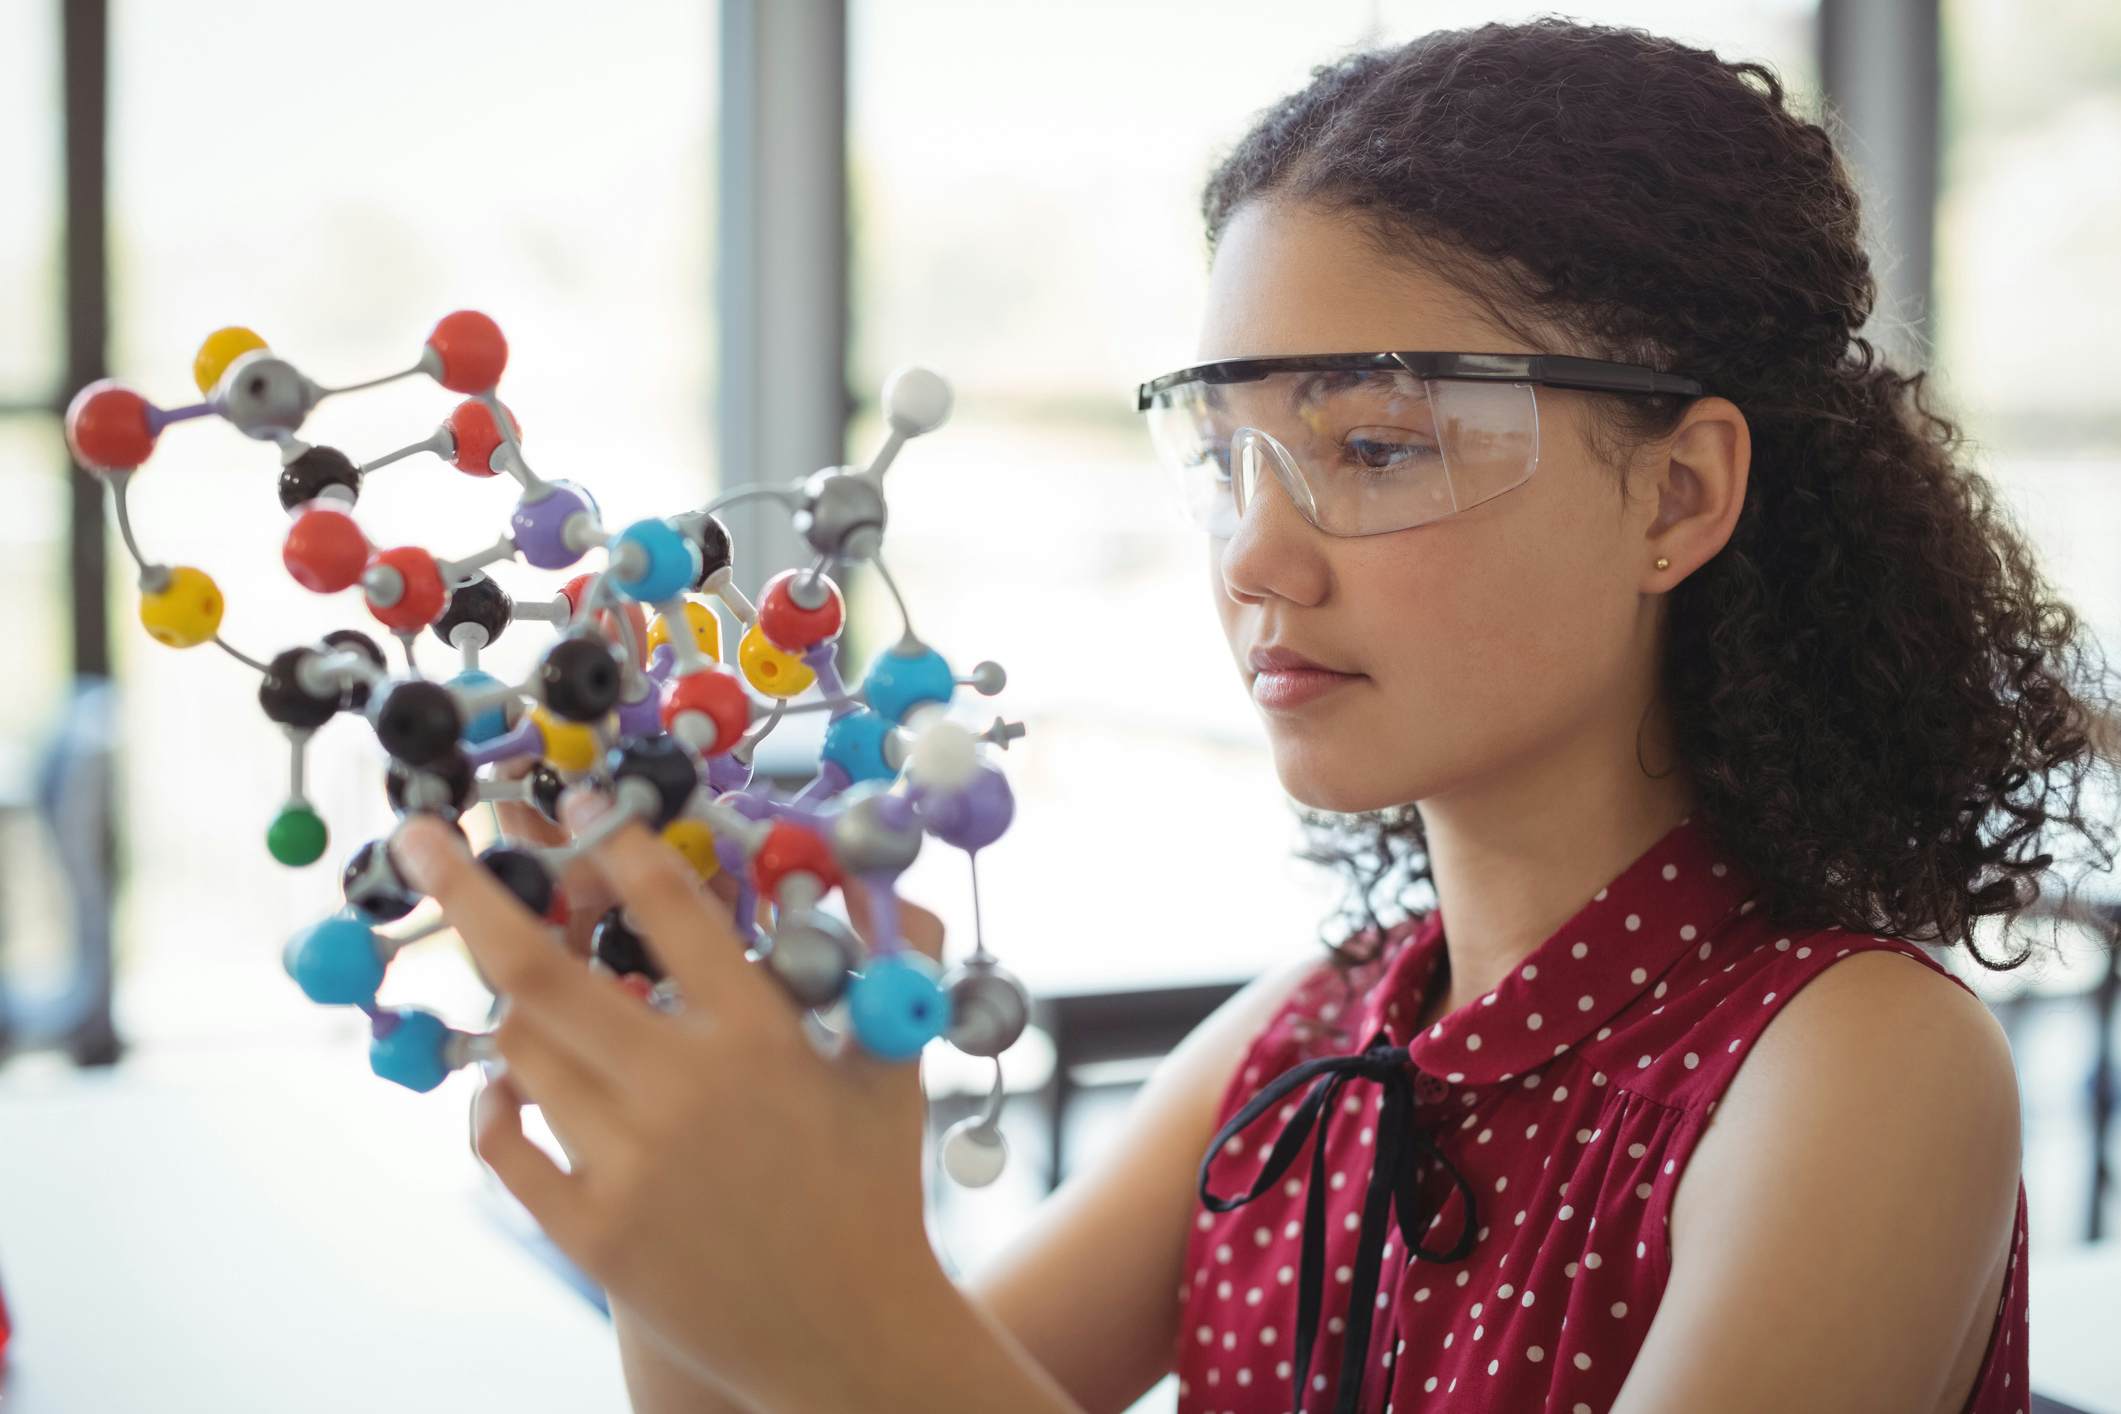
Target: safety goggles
[1365,443]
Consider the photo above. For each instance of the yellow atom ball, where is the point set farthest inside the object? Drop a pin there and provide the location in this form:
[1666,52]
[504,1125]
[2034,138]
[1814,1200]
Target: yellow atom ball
[768,669]
[569,746]
[222,347]
[693,839]
[185,612]
[706,630]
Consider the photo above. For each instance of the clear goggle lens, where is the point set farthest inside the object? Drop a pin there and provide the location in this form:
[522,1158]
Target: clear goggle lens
[1357,452]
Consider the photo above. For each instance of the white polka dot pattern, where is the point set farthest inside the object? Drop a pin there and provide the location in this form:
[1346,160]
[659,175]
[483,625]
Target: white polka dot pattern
[1570,1098]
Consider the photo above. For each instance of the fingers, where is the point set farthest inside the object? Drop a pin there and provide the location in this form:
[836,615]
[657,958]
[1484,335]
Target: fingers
[584,1109]
[589,1013]
[525,1170]
[922,930]
[693,938]
[525,822]
[580,884]
[519,819]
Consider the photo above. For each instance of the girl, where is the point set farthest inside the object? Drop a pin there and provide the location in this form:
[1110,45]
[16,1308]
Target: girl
[1573,545]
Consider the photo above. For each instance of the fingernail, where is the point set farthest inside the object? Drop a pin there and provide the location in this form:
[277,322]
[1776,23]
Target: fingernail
[418,850]
[583,806]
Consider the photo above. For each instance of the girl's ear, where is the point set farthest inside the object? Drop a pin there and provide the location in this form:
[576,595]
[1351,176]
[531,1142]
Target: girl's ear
[1701,481]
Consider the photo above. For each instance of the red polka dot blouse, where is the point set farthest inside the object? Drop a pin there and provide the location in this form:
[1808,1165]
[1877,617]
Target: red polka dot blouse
[1480,1221]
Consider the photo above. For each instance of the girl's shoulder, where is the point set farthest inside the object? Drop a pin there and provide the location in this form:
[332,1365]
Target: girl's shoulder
[1687,1036]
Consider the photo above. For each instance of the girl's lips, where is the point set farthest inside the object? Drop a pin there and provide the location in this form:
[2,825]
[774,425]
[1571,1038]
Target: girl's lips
[1293,687]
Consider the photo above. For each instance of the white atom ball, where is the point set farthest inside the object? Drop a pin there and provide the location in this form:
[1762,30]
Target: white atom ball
[945,755]
[974,1155]
[916,401]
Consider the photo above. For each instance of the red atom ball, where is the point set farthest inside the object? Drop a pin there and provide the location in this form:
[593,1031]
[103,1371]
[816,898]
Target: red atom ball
[324,550]
[638,983]
[792,628]
[789,848]
[472,425]
[715,694]
[423,597]
[106,426]
[471,349]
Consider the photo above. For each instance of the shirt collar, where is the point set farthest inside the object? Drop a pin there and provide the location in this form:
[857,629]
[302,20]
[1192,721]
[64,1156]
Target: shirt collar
[1676,897]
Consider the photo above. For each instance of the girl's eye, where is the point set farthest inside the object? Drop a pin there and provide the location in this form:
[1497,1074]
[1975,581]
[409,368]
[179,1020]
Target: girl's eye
[1217,456]
[1382,448]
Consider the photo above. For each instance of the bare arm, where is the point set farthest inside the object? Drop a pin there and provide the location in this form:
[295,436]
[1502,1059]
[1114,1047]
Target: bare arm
[1090,1289]
[1839,1237]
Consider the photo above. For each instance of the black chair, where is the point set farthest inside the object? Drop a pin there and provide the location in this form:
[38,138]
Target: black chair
[1101,1026]
[2017,1009]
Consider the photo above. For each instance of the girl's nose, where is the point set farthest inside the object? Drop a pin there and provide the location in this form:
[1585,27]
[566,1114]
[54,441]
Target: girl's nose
[1275,548]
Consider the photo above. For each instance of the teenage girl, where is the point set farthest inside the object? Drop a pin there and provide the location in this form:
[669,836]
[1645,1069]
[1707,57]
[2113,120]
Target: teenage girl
[1573,543]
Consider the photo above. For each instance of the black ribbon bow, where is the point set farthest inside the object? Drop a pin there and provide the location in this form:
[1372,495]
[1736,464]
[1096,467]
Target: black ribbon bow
[1392,1177]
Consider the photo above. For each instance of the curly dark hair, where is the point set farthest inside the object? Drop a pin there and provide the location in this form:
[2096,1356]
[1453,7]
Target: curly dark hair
[1882,704]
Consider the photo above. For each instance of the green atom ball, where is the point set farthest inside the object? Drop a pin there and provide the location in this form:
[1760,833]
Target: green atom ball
[297,836]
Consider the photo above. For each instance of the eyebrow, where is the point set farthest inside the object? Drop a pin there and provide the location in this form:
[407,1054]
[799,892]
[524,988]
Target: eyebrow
[1306,390]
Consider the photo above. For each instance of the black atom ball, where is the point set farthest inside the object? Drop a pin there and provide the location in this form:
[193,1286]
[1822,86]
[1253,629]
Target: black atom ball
[372,885]
[480,601]
[715,552]
[447,785]
[545,788]
[355,693]
[579,679]
[285,700]
[662,763]
[417,721]
[621,949]
[306,477]
[522,875]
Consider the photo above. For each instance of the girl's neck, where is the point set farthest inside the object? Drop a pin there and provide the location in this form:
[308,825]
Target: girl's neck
[1504,888]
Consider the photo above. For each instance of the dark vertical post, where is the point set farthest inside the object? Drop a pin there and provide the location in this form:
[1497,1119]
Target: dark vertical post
[85,45]
[2106,1004]
[781,288]
[781,277]
[76,790]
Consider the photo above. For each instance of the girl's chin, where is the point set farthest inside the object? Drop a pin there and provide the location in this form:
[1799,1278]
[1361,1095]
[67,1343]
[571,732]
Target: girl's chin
[1341,790]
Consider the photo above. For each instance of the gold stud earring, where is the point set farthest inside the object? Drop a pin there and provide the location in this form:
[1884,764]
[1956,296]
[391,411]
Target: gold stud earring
[1663,563]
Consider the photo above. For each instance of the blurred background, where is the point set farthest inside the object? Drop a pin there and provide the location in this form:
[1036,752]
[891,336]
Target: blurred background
[710,232]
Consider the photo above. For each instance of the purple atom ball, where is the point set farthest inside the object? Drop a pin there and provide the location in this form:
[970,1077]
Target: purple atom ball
[641,718]
[974,815]
[540,527]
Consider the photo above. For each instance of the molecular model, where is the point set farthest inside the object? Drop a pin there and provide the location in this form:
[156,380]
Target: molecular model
[650,711]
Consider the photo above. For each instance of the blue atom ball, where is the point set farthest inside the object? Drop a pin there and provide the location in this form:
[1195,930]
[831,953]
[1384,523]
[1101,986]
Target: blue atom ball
[489,724]
[855,743]
[897,1004]
[898,682]
[672,558]
[408,1048]
[335,962]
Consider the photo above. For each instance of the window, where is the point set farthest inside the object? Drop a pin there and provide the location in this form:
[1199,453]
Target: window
[33,487]
[2028,290]
[2027,294]
[554,170]
[1025,193]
